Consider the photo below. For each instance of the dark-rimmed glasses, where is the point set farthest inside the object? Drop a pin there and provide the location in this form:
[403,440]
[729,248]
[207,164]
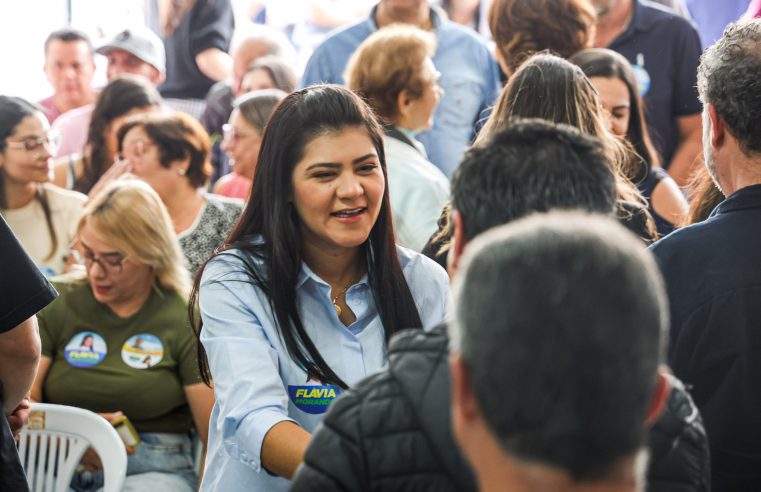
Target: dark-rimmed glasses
[111,263]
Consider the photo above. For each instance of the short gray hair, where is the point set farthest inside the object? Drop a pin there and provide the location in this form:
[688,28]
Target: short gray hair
[561,320]
[729,77]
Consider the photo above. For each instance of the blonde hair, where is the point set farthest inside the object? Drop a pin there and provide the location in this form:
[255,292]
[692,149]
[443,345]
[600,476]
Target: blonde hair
[388,62]
[129,215]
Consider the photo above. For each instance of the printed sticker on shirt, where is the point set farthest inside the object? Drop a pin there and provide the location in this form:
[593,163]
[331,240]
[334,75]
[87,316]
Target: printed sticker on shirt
[85,349]
[142,351]
[314,399]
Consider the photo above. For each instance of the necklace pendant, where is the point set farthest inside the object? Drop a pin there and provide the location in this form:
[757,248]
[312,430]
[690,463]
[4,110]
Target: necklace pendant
[338,309]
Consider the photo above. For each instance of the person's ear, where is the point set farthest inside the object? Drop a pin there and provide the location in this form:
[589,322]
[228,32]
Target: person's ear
[660,397]
[717,126]
[457,243]
[464,405]
[403,103]
[157,78]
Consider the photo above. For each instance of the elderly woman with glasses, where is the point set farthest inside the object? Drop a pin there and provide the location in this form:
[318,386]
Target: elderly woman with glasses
[243,138]
[42,216]
[116,341]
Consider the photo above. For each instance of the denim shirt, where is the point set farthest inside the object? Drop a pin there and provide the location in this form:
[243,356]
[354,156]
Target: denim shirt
[258,385]
[469,77]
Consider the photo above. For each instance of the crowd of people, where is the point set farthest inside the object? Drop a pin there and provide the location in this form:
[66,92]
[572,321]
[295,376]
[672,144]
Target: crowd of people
[497,245]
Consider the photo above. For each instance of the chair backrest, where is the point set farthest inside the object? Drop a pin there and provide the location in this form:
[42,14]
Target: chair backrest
[53,443]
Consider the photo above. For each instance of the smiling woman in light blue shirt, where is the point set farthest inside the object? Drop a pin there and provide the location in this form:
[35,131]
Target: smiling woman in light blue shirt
[300,303]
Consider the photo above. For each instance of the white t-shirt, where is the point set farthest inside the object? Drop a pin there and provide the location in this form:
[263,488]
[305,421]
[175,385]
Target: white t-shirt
[29,226]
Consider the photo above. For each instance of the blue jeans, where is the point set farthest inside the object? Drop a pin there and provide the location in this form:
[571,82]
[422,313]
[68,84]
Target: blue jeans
[161,462]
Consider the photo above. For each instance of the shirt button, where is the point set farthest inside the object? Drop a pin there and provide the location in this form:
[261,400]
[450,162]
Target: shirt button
[355,302]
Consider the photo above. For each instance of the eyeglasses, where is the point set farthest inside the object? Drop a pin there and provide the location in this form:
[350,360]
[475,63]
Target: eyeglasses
[138,148]
[111,263]
[31,144]
[232,134]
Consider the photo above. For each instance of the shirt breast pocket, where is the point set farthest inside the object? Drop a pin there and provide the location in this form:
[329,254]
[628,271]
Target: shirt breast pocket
[461,104]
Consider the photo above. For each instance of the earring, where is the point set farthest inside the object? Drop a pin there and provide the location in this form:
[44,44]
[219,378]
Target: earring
[37,156]
[181,171]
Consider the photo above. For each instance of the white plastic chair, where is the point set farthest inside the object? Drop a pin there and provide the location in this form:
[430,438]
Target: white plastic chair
[53,443]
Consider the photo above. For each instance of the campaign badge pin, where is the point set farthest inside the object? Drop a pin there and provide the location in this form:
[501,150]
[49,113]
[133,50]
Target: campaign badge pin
[142,351]
[85,349]
[313,399]
[642,76]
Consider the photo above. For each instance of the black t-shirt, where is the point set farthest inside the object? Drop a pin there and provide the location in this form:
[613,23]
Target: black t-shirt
[23,292]
[208,24]
[664,50]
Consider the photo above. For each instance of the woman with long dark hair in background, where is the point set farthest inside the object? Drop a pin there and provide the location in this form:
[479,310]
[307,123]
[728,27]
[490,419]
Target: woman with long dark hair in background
[302,300]
[614,79]
[43,216]
[553,89]
[123,97]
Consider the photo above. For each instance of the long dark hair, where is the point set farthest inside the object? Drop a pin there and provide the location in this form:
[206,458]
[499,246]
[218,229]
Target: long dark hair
[12,111]
[598,62]
[553,89]
[119,97]
[297,120]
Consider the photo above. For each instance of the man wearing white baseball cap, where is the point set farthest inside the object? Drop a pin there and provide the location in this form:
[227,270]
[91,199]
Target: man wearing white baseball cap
[135,50]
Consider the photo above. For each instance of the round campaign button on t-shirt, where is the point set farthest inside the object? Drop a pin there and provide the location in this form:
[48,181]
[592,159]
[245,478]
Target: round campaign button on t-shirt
[643,78]
[85,349]
[142,351]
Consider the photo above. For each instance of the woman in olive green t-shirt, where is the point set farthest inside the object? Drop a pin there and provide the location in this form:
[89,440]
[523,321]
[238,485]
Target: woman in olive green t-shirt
[117,342]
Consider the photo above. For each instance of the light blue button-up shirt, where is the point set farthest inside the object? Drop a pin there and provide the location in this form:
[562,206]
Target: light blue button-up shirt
[469,77]
[257,384]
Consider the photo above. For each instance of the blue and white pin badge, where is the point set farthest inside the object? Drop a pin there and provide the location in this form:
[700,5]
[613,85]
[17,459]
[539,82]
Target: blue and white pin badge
[313,399]
[142,351]
[643,78]
[85,349]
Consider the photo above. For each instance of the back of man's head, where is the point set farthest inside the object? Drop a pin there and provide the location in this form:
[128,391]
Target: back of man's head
[561,322]
[729,78]
[531,166]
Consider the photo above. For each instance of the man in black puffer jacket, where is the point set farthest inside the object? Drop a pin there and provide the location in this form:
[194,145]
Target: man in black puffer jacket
[392,431]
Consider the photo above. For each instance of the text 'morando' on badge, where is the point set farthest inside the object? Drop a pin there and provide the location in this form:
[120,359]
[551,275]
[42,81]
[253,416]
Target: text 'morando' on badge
[313,399]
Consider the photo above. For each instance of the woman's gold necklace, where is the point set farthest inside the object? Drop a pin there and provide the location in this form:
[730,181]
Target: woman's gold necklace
[342,292]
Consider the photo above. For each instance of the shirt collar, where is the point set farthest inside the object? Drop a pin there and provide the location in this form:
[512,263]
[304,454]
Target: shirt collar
[641,20]
[436,20]
[306,273]
[744,198]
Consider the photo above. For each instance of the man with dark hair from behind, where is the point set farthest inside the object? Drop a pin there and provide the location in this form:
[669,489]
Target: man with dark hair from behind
[560,327]
[392,431]
[713,269]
